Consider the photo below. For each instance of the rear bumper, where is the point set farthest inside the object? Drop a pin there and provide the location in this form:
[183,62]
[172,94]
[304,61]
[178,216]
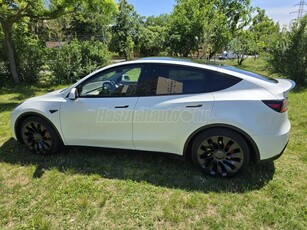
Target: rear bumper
[275,157]
[271,147]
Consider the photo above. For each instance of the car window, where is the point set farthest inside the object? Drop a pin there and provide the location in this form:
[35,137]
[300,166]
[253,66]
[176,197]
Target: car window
[216,81]
[175,79]
[118,81]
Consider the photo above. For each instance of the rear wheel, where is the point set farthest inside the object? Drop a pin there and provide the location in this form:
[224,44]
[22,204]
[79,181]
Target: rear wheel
[39,136]
[220,152]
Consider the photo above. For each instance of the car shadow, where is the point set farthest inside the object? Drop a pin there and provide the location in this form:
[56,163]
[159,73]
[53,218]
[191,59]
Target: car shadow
[156,169]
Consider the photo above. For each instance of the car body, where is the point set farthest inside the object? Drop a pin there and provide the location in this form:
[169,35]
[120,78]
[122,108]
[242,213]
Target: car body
[221,116]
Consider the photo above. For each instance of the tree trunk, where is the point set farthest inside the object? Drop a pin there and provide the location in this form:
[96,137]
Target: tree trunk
[238,59]
[10,51]
[211,54]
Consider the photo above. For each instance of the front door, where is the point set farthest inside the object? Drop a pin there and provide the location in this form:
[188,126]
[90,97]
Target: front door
[102,114]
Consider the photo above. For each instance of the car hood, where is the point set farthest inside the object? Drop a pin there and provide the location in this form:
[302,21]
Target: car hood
[52,96]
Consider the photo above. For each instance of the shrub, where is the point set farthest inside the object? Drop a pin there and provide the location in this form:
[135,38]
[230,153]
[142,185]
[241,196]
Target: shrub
[4,71]
[30,57]
[77,59]
[288,55]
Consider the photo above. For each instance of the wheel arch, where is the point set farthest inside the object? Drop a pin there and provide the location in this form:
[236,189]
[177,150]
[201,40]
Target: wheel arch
[24,116]
[255,155]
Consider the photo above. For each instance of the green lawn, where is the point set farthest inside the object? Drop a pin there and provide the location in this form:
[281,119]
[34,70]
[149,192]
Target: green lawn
[86,188]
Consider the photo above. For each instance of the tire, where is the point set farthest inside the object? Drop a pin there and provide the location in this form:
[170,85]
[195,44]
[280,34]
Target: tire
[39,136]
[220,152]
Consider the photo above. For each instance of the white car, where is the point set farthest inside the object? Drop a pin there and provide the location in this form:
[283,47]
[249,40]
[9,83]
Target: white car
[221,117]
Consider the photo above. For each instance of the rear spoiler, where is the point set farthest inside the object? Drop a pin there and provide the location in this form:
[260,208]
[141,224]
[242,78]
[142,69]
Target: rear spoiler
[284,86]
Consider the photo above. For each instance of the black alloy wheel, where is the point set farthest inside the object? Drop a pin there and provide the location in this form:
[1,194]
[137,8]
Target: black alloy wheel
[220,152]
[39,136]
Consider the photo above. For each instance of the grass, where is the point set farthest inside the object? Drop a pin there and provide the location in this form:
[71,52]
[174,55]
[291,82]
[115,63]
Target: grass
[88,188]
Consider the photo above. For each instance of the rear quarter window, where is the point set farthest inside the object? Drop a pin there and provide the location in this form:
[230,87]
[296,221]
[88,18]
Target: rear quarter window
[216,81]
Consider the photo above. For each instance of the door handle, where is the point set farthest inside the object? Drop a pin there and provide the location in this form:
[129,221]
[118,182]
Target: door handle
[121,107]
[194,106]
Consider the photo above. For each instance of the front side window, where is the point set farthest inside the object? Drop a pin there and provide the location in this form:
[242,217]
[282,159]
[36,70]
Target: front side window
[118,81]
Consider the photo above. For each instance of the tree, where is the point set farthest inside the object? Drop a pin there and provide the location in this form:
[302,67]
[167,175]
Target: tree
[153,35]
[93,20]
[227,18]
[206,23]
[255,37]
[263,29]
[27,44]
[12,12]
[186,27]
[288,53]
[125,32]
[243,44]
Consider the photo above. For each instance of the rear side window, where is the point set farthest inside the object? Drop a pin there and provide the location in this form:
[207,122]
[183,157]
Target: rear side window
[174,79]
[216,81]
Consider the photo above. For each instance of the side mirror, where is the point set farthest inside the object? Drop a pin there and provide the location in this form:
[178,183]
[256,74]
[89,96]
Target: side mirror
[125,78]
[73,94]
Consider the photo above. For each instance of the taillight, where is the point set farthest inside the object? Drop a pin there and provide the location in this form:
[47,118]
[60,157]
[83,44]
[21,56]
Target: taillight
[277,105]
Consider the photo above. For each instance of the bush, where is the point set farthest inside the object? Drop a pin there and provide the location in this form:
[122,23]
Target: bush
[30,57]
[288,55]
[77,59]
[5,75]
[4,71]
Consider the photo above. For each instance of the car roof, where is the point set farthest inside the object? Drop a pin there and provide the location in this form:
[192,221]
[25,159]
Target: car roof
[166,59]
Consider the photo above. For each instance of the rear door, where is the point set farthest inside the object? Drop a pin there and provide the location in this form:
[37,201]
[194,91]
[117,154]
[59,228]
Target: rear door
[173,104]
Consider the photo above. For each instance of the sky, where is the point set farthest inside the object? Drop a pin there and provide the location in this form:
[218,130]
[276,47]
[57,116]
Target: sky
[278,10]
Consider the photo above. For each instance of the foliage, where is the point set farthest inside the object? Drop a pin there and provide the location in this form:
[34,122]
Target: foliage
[242,45]
[125,32]
[4,72]
[227,18]
[263,29]
[288,54]
[255,38]
[77,59]
[207,24]
[2,46]
[153,36]
[31,53]
[12,13]
[92,20]
[151,40]
[186,27]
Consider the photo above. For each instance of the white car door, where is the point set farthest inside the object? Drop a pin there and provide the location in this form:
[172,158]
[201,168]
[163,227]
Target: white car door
[102,114]
[172,108]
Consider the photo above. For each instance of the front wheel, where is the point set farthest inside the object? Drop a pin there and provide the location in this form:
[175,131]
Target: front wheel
[220,152]
[39,136]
